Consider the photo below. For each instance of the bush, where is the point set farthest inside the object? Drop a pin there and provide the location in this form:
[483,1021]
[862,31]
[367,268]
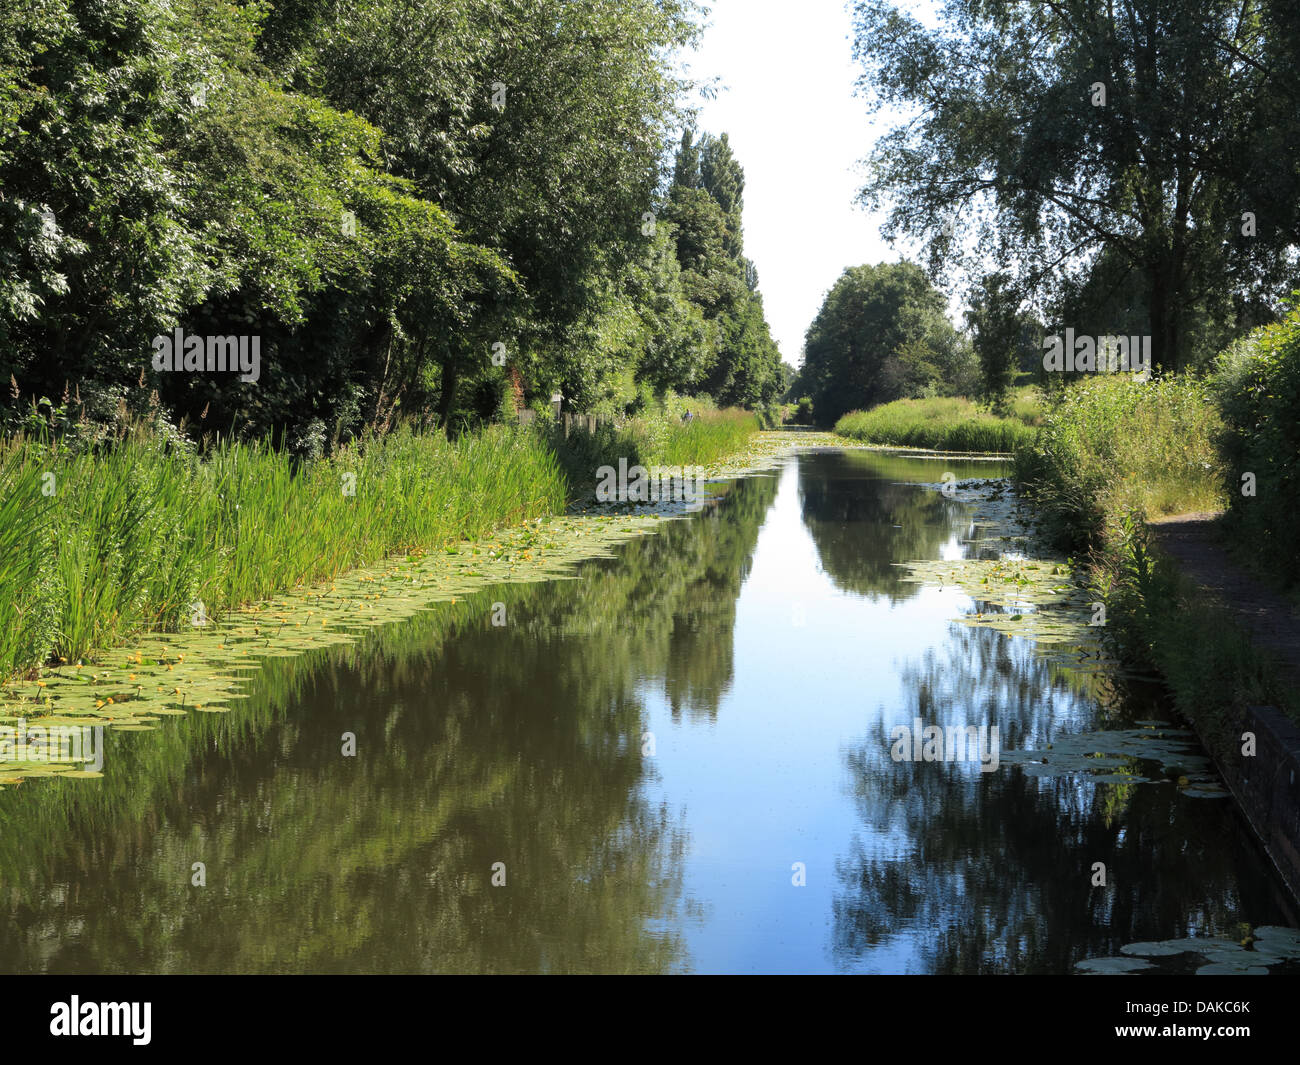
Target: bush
[1257,385]
[1114,446]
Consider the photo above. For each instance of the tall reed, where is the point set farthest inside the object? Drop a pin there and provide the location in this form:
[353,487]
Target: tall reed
[96,545]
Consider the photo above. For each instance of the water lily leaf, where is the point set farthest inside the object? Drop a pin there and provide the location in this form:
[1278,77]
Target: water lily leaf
[1112,965]
[1221,969]
[1157,949]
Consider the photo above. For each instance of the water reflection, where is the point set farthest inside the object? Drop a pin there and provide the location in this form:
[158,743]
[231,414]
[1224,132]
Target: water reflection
[954,870]
[649,751]
[865,513]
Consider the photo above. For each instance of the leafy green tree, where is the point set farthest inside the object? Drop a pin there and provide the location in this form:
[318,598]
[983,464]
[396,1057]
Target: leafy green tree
[881,334]
[538,125]
[704,205]
[722,177]
[1056,130]
[1005,338]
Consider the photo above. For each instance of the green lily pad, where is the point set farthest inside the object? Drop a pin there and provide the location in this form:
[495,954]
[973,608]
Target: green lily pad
[1112,965]
[1157,949]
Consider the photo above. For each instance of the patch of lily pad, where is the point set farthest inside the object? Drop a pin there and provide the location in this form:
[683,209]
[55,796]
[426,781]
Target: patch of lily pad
[1264,948]
[1018,587]
[207,668]
[1109,966]
[1131,756]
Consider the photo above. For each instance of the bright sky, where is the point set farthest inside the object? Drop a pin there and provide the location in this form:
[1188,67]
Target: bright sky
[786,100]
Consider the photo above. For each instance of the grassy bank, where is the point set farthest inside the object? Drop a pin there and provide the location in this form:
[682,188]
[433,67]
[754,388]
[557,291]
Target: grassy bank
[944,424]
[654,440]
[1113,454]
[99,545]
[130,537]
[1113,446]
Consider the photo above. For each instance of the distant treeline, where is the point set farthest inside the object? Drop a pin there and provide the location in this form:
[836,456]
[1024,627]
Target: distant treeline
[428,210]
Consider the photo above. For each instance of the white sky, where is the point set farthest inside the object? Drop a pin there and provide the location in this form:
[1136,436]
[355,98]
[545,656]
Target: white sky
[786,100]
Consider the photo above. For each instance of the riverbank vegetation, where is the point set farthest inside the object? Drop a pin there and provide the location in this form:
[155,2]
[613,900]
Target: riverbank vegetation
[1113,447]
[1115,454]
[101,544]
[130,539]
[427,211]
[1063,169]
[424,220]
[942,424]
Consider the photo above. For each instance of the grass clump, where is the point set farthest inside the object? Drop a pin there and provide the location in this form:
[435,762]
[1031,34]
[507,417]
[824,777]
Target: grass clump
[100,544]
[943,424]
[1114,446]
[659,439]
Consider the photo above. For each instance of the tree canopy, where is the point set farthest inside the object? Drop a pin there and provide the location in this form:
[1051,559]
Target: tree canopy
[386,194]
[1136,147]
[882,334]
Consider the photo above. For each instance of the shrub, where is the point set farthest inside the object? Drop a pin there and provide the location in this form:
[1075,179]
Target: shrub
[1257,385]
[1113,446]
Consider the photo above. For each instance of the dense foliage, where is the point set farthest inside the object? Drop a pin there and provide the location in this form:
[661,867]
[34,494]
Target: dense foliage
[418,210]
[882,334]
[1113,450]
[1132,166]
[1258,386]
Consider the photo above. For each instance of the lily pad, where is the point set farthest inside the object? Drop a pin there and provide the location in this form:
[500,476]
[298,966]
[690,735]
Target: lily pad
[1158,949]
[1112,965]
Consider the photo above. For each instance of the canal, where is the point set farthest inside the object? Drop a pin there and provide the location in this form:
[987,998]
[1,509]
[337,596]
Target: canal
[678,761]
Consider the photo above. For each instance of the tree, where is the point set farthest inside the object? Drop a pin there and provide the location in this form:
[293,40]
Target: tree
[704,205]
[722,178]
[1005,338]
[881,334]
[1057,130]
[538,125]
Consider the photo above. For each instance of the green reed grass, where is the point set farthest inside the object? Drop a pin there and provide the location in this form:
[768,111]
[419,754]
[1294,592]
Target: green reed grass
[943,424]
[1114,446]
[660,439]
[134,534]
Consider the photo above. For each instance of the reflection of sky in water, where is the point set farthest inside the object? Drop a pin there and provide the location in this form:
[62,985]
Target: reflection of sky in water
[795,767]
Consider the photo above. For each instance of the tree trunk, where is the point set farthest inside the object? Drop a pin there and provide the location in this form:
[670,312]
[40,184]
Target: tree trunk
[1162,313]
[447,395]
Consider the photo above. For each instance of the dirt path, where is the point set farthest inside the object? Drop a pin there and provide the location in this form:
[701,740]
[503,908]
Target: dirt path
[1195,541]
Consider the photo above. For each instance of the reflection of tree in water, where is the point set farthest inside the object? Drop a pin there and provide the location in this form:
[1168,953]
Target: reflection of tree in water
[475,745]
[991,872]
[863,522]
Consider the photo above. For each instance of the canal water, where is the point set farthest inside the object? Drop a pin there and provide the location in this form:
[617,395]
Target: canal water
[678,761]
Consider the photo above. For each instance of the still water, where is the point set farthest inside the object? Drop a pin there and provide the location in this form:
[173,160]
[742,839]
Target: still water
[679,761]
